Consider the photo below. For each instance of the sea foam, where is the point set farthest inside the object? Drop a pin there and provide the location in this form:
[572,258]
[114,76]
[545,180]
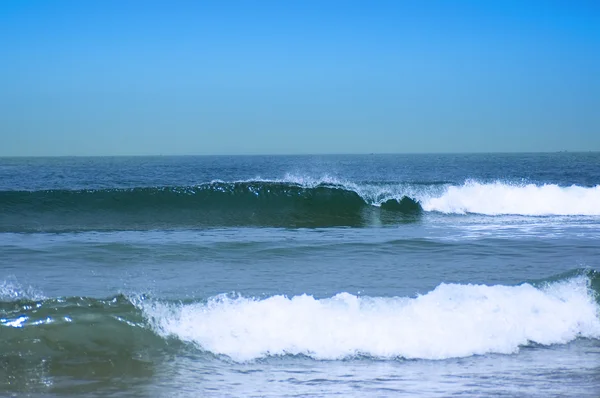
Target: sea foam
[451,321]
[531,200]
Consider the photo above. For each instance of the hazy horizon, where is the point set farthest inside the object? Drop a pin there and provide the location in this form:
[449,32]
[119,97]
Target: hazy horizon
[298,154]
[231,78]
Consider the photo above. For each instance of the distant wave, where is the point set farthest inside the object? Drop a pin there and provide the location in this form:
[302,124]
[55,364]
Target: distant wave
[451,321]
[290,202]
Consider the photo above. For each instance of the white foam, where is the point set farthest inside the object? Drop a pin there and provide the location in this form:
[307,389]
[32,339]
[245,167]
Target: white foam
[531,200]
[451,321]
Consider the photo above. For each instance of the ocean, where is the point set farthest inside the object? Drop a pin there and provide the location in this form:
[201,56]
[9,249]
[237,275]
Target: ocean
[278,276]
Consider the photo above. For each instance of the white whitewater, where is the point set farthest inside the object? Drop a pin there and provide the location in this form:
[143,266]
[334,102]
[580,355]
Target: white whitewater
[451,321]
[529,200]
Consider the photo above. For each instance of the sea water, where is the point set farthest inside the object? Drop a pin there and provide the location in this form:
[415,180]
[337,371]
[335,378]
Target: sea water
[371,275]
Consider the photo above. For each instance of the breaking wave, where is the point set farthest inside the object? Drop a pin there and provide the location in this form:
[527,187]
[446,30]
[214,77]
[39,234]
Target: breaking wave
[291,202]
[453,320]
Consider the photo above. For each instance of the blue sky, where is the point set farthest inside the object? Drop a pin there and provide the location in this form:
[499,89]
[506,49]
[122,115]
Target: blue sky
[284,77]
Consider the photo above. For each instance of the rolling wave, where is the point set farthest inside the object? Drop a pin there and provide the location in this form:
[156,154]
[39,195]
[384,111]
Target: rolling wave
[451,321]
[291,202]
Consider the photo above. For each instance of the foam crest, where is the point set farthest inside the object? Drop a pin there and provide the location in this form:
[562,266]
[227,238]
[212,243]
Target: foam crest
[372,193]
[451,321]
[531,200]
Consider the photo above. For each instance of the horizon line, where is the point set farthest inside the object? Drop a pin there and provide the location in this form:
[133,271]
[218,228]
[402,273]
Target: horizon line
[302,154]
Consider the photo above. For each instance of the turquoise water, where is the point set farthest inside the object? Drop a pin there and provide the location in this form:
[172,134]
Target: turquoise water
[384,275]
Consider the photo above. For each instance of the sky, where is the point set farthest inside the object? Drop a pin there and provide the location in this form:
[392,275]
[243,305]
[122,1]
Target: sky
[81,78]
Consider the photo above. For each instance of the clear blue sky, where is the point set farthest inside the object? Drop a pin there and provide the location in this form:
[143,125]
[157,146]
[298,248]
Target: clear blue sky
[267,77]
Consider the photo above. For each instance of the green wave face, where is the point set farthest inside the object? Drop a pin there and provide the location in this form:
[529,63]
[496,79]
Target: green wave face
[57,339]
[220,204]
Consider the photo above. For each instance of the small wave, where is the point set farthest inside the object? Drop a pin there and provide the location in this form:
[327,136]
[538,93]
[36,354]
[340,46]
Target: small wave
[451,321]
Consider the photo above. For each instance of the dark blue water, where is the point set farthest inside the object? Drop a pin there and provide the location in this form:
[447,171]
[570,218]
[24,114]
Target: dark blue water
[384,275]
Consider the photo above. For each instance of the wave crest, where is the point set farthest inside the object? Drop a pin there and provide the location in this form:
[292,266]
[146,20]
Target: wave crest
[291,202]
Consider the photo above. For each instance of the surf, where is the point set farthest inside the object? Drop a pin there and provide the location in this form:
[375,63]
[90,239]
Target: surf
[516,199]
[450,321]
[292,202]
